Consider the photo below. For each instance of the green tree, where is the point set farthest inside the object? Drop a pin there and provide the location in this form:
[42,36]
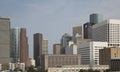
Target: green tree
[82,70]
[96,70]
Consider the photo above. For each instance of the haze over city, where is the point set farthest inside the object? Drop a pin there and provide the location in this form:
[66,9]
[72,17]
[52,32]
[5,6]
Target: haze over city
[53,18]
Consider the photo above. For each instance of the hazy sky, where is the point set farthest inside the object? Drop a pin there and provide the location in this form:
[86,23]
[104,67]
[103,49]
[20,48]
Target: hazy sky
[53,18]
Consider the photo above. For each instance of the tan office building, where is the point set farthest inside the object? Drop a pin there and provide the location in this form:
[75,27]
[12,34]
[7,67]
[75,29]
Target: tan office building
[56,48]
[51,60]
[106,54]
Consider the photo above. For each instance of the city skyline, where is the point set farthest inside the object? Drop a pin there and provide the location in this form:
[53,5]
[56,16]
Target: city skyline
[56,17]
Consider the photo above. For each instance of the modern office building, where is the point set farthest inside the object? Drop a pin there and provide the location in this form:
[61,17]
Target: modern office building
[56,48]
[89,52]
[4,40]
[51,60]
[40,47]
[38,38]
[96,18]
[78,30]
[19,45]
[87,27]
[24,47]
[15,44]
[108,31]
[64,42]
[106,54]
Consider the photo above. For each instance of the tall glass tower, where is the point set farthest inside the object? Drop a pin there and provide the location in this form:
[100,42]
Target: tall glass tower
[15,44]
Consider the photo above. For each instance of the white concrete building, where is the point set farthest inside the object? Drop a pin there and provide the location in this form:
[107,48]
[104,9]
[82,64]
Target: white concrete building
[71,49]
[89,52]
[109,31]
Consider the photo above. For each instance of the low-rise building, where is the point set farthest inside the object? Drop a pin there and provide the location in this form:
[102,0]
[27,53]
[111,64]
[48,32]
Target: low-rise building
[51,60]
[115,64]
[106,54]
[77,68]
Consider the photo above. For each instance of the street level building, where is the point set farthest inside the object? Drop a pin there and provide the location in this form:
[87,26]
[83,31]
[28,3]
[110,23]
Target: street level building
[115,64]
[77,68]
[51,60]
[106,54]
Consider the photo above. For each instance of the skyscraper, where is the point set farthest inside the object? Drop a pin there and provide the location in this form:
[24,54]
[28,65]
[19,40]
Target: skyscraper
[40,47]
[24,51]
[96,18]
[88,30]
[4,40]
[38,38]
[19,45]
[15,44]
[109,31]
[64,42]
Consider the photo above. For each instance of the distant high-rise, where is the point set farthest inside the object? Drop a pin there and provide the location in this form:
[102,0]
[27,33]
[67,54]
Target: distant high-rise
[78,31]
[15,44]
[64,42]
[24,51]
[56,48]
[40,47]
[87,27]
[45,46]
[4,40]
[96,18]
[88,30]
[38,38]
[19,45]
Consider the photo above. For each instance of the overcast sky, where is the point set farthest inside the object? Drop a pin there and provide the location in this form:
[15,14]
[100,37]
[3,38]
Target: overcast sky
[53,18]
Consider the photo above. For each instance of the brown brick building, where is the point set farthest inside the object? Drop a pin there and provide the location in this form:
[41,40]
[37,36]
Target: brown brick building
[51,60]
[106,54]
[24,50]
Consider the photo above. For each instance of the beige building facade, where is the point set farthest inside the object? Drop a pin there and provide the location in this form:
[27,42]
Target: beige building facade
[56,48]
[106,54]
[51,60]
